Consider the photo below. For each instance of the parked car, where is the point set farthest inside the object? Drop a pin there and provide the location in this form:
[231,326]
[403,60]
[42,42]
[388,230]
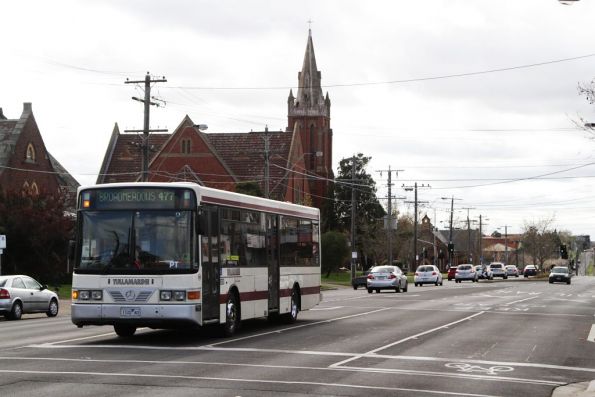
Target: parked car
[560,273]
[498,270]
[386,277]
[427,274]
[22,294]
[484,272]
[512,271]
[451,273]
[466,272]
[529,270]
[360,281]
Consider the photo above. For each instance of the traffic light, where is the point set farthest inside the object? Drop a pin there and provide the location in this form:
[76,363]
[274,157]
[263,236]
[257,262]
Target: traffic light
[563,251]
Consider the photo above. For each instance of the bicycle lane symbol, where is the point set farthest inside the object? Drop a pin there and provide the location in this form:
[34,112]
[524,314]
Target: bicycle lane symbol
[468,368]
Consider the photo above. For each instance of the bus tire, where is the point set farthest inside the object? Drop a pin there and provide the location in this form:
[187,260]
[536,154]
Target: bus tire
[232,315]
[124,330]
[294,308]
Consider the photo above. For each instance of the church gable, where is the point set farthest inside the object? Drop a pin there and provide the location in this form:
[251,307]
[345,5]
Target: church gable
[186,156]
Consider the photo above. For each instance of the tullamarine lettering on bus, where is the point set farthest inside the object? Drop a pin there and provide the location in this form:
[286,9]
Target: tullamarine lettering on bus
[131,281]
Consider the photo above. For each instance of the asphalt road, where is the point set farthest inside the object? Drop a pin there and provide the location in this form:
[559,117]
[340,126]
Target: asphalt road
[502,338]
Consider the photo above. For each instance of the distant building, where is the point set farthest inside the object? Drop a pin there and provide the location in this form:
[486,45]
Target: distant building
[25,164]
[300,158]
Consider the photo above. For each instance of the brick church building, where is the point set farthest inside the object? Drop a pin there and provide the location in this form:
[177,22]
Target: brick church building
[299,159]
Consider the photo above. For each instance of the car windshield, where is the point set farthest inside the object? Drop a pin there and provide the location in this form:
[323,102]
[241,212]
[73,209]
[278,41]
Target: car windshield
[136,242]
[464,267]
[425,269]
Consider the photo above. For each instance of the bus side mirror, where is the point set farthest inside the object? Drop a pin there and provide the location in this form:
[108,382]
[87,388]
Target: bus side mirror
[71,250]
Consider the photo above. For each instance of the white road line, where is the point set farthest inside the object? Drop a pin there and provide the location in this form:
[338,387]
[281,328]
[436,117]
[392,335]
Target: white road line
[239,380]
[330,320]
[521,300]
[320,309]
[407,339]
[591,337]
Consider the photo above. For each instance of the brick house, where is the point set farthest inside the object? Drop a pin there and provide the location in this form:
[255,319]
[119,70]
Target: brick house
[300,158]
[25,163]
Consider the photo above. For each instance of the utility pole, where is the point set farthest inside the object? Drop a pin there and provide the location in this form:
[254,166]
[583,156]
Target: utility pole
[468,233]
[505,244]
[266,161]
[415,202]
[353,250]
[147,101]
[450,243]
[389,228]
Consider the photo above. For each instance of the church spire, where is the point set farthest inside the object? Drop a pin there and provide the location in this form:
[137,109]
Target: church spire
[309,97]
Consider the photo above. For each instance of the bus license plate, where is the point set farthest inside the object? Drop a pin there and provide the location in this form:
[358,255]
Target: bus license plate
[130,312]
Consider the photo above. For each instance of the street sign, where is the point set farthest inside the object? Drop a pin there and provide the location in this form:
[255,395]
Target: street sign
[2,241]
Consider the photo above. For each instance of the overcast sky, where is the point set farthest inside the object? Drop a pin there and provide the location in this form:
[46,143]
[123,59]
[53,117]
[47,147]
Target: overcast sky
[417,85]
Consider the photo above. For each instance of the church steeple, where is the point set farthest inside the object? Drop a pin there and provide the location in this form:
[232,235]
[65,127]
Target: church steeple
[310,98]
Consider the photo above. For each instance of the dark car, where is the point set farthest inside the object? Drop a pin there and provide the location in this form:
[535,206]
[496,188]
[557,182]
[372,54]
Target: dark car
[529,270]
[360,281]
[560,274]
[22,294]
[451,273]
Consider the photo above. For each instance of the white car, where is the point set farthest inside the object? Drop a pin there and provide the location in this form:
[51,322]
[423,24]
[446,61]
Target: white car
[498,270]
[466,272]
[427,274]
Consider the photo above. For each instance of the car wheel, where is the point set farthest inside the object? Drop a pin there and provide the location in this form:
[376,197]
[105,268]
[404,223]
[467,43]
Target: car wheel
[124,330]
[355,287]
[442,282]
[16,312]
[551,282]
[406,286]
[436,283]
[398,288]
[568,282]
[53,308]
[377,290]
[505,277]
[232,315]
[369,290]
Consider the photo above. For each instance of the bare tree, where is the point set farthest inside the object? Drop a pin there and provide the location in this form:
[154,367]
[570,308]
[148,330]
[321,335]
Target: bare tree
[540,241]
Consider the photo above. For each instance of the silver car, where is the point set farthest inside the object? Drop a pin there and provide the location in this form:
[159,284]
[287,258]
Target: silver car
[22,294]
[386,277]
[427,274]
[498,270]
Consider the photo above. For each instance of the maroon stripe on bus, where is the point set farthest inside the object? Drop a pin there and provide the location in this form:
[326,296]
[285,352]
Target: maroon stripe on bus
[215,200]
[261,295]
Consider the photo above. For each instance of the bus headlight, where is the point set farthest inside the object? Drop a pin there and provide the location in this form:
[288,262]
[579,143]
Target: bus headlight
[97,295]
[179,295]
[84,295]
[165,295]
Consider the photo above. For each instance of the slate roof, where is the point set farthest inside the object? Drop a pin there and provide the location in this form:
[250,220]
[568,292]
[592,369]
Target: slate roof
[123,158]
[244,155]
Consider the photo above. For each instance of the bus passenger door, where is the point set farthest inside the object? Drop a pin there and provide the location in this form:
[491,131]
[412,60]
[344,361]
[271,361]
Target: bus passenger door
[210,265]
[272,244]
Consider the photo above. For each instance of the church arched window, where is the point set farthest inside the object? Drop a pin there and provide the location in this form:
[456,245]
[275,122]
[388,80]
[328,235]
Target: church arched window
[34,189]
[30,155]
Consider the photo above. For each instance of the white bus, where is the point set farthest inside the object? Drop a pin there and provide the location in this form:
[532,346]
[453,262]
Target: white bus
[167,255]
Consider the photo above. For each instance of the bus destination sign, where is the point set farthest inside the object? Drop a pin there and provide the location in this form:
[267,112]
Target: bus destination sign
[137,198]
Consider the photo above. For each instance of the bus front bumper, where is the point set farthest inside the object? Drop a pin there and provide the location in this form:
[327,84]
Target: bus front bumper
[156,316]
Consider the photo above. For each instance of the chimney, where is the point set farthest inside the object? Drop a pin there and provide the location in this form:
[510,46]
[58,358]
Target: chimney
[2,116]
[27,107]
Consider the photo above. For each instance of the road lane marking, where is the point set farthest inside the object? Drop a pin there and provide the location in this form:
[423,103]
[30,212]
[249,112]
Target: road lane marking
[320,309]
[521,300]
[591,337]
[408,338]
[240,380]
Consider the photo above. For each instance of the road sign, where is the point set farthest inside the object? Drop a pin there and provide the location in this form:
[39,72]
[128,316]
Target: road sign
[2,241]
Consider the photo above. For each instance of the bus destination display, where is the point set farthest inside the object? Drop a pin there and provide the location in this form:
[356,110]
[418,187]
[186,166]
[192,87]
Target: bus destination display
[148,198]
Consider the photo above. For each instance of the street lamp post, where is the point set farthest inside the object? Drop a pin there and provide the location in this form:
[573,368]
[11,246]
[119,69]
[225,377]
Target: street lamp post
[450,243]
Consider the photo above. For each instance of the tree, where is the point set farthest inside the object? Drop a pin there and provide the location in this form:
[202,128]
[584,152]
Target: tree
[250,188]
[37,229]
[335,251]
[368,209]
[540,241]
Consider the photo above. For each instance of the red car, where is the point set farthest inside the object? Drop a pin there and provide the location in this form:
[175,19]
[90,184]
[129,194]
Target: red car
[451,272]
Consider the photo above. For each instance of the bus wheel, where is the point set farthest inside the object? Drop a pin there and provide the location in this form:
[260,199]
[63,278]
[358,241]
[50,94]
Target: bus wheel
[232,315]
[124,330]
[294,308]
